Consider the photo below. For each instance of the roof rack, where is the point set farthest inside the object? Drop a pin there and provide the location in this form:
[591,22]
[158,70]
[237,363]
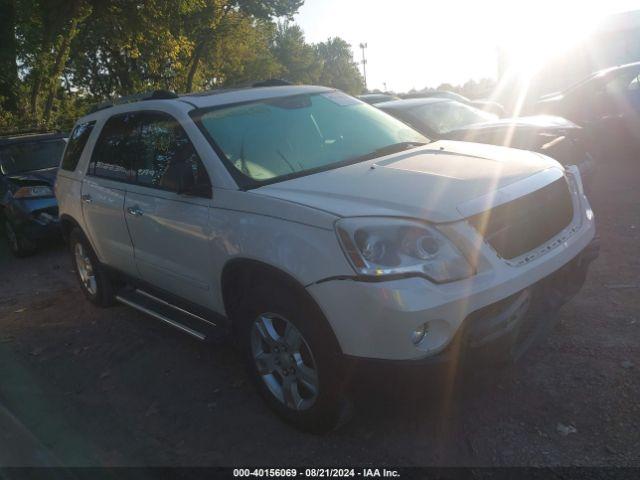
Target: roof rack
[138,97]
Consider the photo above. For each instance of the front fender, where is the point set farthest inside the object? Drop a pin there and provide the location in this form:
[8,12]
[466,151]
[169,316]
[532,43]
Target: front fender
[305,252]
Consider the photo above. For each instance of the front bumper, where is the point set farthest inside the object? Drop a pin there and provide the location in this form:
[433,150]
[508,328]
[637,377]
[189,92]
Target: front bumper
[375,320]
[35,219]
[490,336]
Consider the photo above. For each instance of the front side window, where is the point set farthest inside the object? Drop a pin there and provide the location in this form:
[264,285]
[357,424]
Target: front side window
[442,117]
[77,141]
[29,156]
[274,139]
[167,158]
[116,149]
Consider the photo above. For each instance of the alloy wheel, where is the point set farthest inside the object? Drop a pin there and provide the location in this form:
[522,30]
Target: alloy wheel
[85,269]
[284,361]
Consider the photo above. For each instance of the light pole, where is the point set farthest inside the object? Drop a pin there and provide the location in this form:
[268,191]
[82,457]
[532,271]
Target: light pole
[363,47]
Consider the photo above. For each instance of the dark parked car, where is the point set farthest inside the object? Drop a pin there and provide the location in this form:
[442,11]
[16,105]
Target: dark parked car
[29,211]
[374,98]
[439,118]
[485,105]
[606,104]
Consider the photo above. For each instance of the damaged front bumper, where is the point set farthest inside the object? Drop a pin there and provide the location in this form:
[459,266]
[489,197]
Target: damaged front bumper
[35,219]
[506,330]
[500,333]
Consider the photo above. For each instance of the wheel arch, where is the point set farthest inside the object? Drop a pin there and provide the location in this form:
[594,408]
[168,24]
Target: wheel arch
[67,224]
[242,274]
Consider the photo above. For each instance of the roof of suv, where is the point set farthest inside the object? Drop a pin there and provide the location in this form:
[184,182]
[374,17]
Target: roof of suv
[215,98]
[223,97]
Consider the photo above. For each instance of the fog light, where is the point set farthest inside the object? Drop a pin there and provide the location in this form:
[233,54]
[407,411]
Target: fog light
[419,333]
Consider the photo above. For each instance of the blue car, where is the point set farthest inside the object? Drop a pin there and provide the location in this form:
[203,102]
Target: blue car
[28,207]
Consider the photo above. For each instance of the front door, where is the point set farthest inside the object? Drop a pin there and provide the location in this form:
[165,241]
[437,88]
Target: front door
[167,211]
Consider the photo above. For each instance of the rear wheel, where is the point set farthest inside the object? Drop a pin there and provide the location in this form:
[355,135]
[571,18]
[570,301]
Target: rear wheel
[94,281]
[18,244]
[293,358]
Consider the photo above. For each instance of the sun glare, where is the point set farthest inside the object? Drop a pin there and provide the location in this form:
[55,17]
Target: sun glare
[534,37]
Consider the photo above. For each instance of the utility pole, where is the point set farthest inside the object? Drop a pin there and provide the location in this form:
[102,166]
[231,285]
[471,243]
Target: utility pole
[363,47]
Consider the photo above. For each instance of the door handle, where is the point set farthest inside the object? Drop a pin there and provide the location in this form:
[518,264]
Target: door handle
[135,211]
[86,198]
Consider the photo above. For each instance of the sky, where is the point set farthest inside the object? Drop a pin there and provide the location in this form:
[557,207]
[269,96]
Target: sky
[422,43]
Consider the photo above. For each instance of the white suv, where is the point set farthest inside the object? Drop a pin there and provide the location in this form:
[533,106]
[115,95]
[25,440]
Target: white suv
[320,232]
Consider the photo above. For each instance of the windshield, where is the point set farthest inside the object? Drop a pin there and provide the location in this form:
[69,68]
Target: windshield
[275,139]
[29,156]
[442,117]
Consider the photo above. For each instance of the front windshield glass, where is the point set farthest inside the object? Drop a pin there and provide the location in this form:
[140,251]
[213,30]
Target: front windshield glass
[442,117]
[29,156]
[279,138]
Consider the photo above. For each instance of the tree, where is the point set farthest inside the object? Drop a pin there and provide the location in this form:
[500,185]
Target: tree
[59,56]
[46,29]
[215,17]
[240,55]
[8,57]
[339,70]
[299,60]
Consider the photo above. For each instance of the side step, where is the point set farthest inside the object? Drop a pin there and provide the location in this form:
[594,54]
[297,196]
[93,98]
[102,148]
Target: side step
[187,322]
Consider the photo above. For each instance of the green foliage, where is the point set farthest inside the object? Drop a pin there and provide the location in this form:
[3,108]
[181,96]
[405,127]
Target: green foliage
[338,67]
[59,57]
[300,63]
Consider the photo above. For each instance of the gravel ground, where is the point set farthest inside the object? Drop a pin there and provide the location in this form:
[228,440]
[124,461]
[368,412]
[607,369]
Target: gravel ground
[86,386]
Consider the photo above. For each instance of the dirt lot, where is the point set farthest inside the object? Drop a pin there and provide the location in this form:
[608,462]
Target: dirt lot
[85,386]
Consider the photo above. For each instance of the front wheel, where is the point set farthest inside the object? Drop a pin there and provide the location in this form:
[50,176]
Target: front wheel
[293,359]
[94,281]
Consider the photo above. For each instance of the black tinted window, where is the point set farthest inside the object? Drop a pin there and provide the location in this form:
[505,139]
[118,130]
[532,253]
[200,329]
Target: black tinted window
[116,149]
[77,141]
[29,156]
[167,158]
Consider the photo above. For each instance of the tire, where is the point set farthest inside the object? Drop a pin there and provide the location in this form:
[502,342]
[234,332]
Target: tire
[268,344]
[94,281]
[19,245]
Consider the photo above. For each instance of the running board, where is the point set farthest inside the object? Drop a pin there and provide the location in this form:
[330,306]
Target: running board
[183,320]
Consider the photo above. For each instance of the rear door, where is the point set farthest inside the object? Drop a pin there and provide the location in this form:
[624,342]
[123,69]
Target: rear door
[103,193]
[167,210]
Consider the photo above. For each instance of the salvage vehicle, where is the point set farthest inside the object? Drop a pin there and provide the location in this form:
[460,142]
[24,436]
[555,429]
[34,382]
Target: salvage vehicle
[322,234]
[28,208]
[439,118]
[488,106]
[606,104]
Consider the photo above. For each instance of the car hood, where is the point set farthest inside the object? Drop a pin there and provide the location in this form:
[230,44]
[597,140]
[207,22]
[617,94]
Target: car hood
[46,176]
[440,182]
[537,122]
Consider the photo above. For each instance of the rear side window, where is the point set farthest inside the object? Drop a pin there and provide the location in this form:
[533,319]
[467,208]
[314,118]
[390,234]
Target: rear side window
[116,148]
[75,146]
[165,153]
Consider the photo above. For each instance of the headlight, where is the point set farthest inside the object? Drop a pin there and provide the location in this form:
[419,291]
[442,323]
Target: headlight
[33,192]
[387,246]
